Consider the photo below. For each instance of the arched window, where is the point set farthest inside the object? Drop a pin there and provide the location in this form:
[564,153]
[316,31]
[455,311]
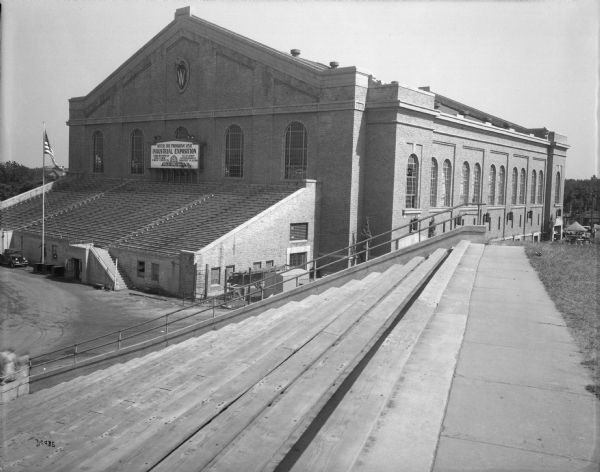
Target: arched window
[182,133]
[98,153]
[234,152]
[295,151]
[434,183]
[533,186]
[522,183]
[137,152]
[412,182]
[557,189]
[514,186]
[477,183]
[492,185]
[447,182]
[540,197]
[464,186]
[501,186]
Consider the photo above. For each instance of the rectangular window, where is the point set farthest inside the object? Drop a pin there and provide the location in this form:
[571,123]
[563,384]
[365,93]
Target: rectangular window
[229,270]
[54,252]
[269,264]
[141,269]
[298,231]
[538,219]
[215,276]
[520,217]
[298,259]
[498,222]
[256,265]
[155,268]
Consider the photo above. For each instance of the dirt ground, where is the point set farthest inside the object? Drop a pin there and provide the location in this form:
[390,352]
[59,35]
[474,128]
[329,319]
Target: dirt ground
[39,314]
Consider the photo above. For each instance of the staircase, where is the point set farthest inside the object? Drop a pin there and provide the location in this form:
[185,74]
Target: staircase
[302,386]
[115,279]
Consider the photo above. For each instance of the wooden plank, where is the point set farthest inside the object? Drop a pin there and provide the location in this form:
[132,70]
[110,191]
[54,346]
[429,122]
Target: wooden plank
[345,432]
[267,440]
[216,396]
[202,448]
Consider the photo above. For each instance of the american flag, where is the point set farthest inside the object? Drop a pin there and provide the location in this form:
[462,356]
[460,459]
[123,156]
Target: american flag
[47,148]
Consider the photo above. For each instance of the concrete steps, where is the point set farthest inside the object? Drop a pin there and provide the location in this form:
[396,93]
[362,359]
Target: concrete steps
[306,386]
[367,425]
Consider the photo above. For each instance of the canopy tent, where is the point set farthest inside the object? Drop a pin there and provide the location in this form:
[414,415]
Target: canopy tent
[575,228]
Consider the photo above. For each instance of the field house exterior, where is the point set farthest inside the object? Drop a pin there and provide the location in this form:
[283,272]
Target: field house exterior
[200,104]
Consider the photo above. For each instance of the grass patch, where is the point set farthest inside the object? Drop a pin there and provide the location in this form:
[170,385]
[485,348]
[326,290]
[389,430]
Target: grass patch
[570,275]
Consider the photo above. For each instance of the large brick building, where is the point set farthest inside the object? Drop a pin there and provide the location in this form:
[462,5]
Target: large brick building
[236,112]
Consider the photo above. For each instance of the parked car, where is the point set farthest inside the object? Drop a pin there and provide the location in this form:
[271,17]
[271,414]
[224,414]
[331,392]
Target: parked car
[13,258]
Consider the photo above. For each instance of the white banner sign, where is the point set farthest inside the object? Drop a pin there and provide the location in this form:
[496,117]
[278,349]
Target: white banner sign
[174,155]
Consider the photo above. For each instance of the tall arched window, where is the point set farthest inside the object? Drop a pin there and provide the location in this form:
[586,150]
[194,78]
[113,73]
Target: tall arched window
[234,152]
[434,183]
[137,152]
[477,183]
[557,189]
[522,183]
[533,186]
[501,186]
[514,186]
[182,133]
[464,186]
[98,153]
[447,182]
[540,198]
[295,151]
[412,182]
[492,185]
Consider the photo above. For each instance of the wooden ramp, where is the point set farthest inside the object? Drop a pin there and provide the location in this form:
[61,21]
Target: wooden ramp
[250,396]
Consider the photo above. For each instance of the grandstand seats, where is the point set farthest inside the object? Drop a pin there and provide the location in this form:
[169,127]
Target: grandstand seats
[162,217]
[237,398]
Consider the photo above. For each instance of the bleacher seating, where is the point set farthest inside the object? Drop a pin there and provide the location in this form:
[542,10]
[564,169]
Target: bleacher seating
[238,398]
[155,216]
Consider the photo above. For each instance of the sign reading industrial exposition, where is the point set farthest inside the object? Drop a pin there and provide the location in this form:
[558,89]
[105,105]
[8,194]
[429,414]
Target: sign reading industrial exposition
[174,155]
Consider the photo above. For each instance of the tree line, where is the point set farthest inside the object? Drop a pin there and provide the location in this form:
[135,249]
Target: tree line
[16,178]
[581,195]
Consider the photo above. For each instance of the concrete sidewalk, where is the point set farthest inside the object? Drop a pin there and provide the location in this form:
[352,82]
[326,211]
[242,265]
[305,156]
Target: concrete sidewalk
[518,400]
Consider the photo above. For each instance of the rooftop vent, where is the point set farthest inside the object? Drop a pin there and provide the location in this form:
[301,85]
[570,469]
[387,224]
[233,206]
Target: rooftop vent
[295,52]
[334,65]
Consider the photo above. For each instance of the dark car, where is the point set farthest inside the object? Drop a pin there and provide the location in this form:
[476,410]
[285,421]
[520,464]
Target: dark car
[13,258]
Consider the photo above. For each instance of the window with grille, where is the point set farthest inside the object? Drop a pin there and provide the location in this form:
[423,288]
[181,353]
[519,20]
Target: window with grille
[298,259]
[141,269]
[540,197]
[464,184]
[501,186]
[98,144]
[298,231]
[522,183]
[477,183]
[155,271]
[412,182]
[182,133]
[215,276]
[434,183]
[269,264]
[447,182]
[557,189]
[295,151]
[492,185]
[234,152]
[137,152]
[533,185]
[515,176]
[256,265]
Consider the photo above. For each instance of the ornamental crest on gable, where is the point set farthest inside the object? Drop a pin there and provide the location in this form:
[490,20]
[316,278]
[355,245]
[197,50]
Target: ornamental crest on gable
[182,74]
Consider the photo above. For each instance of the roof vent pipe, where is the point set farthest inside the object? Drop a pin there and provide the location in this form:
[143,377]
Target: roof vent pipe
[295,52]
[334,64]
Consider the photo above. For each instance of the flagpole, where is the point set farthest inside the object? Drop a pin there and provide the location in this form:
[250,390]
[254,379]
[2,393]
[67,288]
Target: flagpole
[43,194]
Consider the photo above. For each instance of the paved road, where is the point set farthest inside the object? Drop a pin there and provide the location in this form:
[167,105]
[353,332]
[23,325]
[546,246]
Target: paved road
[39,314]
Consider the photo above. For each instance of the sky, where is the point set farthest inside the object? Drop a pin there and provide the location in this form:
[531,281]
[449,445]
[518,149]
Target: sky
[534,63]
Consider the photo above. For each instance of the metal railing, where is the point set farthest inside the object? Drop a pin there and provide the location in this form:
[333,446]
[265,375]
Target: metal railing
[348,256]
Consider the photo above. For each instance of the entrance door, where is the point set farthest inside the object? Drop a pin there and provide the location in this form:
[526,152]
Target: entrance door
[76,268]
